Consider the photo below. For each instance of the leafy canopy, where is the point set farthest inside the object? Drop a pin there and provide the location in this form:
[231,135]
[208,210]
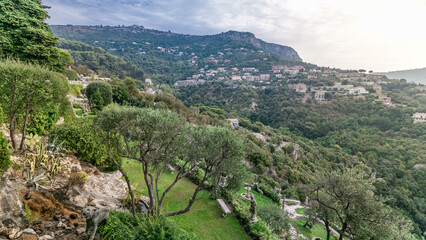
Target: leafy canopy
[26,36]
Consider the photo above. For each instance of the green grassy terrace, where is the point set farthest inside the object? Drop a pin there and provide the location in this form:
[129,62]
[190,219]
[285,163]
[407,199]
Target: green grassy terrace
[205,218]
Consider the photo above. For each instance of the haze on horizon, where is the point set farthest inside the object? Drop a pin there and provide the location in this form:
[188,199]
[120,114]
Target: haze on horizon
[378,35]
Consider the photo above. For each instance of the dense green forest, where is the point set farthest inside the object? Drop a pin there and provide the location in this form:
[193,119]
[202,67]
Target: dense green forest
[383,138]
[100,61]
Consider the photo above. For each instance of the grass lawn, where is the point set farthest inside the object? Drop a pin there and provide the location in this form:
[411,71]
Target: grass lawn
[318,230]
[204,220]
[300,211]
[78,112]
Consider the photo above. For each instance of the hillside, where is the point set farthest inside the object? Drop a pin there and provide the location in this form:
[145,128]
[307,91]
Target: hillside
[283,51]
[169,57]
[415,75]
[230,75]
[100,61]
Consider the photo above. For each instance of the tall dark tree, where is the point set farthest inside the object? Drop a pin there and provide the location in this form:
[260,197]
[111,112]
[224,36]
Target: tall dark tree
[26,36]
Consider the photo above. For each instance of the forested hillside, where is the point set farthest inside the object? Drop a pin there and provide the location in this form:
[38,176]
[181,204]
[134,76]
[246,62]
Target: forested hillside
[100,61]
[350,126]
[167,56]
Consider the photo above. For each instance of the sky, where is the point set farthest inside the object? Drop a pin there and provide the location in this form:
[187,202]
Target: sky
[378,35]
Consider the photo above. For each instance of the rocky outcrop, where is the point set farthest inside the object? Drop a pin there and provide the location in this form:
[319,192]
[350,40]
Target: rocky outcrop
[100,190]
[11,208]
[283,51]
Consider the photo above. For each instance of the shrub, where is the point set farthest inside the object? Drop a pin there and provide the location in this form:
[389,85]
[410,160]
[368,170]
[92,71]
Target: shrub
[41,122]
[99,94]
[82,138]
[4,154]
[122,225]
[75,89]
[274,217]
[269,192]
[70,74]
[261,231]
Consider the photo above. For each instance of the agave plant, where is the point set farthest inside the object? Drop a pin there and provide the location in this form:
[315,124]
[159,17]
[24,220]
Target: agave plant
[34,160]
[53,166]
[35,181]
[56,148]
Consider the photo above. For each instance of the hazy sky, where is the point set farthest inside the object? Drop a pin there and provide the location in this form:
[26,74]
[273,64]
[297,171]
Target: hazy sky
[379,35]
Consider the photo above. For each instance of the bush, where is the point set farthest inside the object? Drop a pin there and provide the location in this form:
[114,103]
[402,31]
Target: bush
[41,122]
[274,217]
[261,231]
[99,94]
[82,138]
[122,225]
[70,74]
[4,154]
[75,89]
[269,192]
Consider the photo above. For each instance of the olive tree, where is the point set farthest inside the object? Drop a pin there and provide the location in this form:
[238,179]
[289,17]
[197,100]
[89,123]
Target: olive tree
[157,138]
[346,198]
[25,88]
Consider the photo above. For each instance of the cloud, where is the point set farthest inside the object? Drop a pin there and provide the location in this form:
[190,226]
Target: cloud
[379,35]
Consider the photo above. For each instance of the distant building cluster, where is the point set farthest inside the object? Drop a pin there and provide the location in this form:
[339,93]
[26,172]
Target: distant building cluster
[419,117]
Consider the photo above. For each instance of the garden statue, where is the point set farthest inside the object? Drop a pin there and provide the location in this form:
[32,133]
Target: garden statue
[94,216]
[283,203]
[253,204]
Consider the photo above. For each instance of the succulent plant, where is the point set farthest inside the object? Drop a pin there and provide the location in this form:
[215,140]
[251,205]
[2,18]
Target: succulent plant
[35,181]
[32,141]
[56,148]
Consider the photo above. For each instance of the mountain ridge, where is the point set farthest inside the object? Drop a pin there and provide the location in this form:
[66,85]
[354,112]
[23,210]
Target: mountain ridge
[283,51]
[417,75]
[248,37]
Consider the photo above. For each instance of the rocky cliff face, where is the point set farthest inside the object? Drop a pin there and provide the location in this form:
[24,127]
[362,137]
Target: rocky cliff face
[283,51]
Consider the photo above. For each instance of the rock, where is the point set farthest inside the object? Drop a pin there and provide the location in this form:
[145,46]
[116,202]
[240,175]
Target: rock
[13,233]
[46,237]
[11,207]
[49,225]
[90,199]
[101,190]
[28,234]
[80,231]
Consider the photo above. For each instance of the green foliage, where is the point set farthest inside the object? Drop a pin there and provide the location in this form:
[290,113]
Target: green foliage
[35,181]
[83,139]
[346,198]
[99,94]
[42,121]
[32,92]
[75,89]
[103,63]
[261,231]
[70,74]
[26,36]
[5,161]
[275,218]
[29,216]
[122,226]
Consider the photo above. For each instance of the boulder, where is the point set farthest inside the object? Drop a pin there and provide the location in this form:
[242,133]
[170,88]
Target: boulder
[11,207]
[101,190]
[28,234]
